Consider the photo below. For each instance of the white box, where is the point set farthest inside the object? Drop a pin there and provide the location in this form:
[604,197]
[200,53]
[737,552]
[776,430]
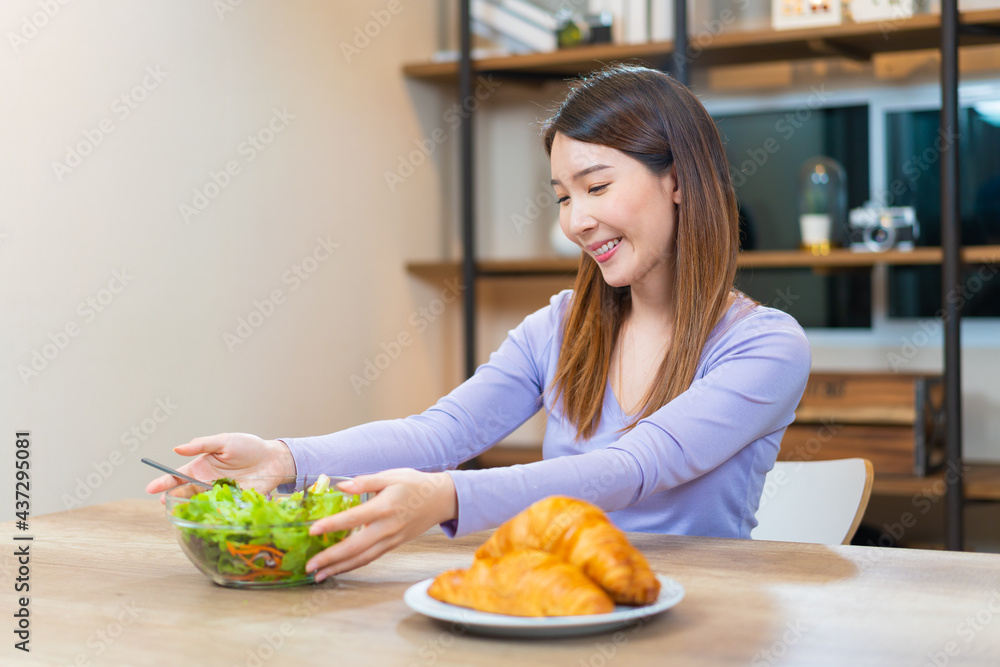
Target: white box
[880,10]
[795,14]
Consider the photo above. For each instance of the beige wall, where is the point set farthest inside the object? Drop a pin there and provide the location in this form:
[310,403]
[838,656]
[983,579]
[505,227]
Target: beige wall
[151,353]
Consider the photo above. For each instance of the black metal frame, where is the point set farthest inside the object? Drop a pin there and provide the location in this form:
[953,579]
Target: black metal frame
[951,242]
[467,180]
[951,249]
[682,71]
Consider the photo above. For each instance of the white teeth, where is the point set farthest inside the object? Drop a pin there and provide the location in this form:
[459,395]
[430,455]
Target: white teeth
[607,246]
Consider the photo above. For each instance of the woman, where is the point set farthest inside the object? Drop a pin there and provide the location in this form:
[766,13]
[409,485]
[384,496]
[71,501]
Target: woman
[667,392]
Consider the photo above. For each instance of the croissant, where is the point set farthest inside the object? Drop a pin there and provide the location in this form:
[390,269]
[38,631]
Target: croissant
[522,583]
[582,535]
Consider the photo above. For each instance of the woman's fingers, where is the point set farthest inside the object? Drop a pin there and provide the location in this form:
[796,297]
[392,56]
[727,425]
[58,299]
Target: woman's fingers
[352,518]
[406,503]
[345,549]
[205,445]
[166,482]
[199,468]
[359,549]
[228,455]
[379,516]
[197,446]
[371,483]
[161,484]
[363,514]
[363,558]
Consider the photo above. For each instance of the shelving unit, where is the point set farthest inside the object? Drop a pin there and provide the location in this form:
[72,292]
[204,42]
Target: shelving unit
[859,41]
[755,259]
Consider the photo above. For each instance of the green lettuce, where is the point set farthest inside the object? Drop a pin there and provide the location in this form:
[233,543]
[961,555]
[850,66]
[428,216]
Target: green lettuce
[246,536]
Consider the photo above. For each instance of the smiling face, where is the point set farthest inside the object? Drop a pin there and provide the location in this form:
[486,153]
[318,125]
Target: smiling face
[619,212]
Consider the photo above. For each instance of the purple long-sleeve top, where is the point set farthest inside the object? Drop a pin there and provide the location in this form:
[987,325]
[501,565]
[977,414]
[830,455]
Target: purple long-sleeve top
[694,467]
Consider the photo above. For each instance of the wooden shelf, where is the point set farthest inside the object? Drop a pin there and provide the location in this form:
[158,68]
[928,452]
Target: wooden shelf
[853,40]
[784,259]
[982,480]
[501,456]
[497,268]
[759,259]
[565,62]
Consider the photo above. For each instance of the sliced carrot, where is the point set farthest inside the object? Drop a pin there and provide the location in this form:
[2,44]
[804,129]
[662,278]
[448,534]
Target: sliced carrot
[249,553]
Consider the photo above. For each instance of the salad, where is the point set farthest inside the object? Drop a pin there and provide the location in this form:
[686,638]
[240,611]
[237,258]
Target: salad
[244,536]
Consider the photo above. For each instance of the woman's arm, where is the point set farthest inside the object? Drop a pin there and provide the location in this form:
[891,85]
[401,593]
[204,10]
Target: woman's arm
[751,389]
[754,379]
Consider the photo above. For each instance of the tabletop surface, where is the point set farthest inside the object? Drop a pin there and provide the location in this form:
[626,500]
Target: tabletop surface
[110,586]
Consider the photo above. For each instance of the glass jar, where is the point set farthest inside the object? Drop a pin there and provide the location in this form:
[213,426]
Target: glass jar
[822,202]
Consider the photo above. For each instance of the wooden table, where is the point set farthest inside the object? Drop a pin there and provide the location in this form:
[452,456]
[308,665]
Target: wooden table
[110,586]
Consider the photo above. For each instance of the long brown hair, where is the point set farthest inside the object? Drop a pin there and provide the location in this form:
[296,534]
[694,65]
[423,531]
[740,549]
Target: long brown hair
[652,118]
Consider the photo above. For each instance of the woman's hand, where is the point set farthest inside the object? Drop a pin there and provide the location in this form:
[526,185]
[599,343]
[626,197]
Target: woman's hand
[407,502]
[229,455]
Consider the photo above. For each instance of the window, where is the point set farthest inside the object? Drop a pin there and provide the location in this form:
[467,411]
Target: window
[913,165]
[766,150]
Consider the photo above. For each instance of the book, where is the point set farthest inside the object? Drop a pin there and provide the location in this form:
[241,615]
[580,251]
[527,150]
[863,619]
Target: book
[637,21]
[532,13]
[661,20]
[498,23]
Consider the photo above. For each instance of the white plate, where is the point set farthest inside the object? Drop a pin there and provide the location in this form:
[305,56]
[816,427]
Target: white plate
[503,625]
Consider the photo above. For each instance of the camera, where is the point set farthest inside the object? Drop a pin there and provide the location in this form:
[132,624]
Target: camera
[879,228]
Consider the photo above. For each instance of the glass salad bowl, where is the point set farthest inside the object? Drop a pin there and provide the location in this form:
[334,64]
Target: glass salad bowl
[253,532]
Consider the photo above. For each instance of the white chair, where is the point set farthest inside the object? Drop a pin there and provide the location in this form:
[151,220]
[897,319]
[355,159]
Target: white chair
[821,502]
